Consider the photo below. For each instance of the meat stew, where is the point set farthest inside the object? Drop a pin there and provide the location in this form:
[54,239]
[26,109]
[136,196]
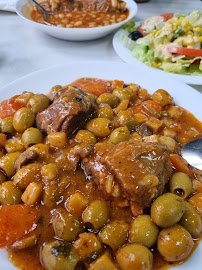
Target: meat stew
[81,13]
[92,177]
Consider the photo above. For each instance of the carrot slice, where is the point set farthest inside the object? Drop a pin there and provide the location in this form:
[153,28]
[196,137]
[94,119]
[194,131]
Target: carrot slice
[15,222]
[94,86]
[180,164]
[152,103]
[9,107]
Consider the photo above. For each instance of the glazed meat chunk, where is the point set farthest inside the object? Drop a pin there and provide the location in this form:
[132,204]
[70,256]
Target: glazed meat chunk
[70,109]
[138,170]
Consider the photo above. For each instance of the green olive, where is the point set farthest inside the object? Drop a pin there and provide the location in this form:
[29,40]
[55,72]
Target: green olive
[59,255]
[38,103]
[14,145]
[175,243]
[28,174]
[107,98]
[85,136]
[181,184]
[191,220]
[143,231]
[134,256]
[55,89]
[7,163]
[120,134]
[92,97]
[97,214]
[104,262]
[65,225]
[122,93]
[2,178]
[31,136]
[161,96]
[167,210]
[114,234]
[9,193]
[100,127]
[7,125]
[106,112]
[23,119]
[125,118]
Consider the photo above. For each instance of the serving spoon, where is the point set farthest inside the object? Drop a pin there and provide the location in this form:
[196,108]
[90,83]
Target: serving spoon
[45,13]
[192,152]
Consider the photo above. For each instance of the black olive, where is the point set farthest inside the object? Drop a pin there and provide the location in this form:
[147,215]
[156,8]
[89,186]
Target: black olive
[135,35]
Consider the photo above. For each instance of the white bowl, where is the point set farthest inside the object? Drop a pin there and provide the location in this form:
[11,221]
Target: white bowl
[24,7]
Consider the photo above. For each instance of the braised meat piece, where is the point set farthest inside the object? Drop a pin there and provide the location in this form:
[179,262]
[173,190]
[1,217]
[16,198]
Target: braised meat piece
[137,171]
[70,109]
[99,5]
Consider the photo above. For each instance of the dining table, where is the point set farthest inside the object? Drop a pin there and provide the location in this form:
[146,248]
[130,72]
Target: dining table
[25,49]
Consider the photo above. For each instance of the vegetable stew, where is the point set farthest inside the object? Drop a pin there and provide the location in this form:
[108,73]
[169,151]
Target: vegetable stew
[92,177]
[82,14]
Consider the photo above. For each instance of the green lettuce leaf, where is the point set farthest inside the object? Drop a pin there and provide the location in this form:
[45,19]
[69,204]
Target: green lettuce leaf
[143,53]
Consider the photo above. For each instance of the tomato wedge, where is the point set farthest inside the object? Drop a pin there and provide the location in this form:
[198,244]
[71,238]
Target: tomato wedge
[9,107]
[184,51]
[167,16]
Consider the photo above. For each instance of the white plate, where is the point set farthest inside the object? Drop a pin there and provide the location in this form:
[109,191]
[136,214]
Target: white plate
[125,55]
[43,80]
[75,34]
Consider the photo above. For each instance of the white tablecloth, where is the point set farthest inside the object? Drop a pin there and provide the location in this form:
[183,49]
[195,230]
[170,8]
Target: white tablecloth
[24,49]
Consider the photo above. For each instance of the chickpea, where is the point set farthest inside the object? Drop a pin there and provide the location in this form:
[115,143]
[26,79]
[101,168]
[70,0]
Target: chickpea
[97,214]
[100,127]
[107,98]
[143,231]
[9,193]
[23,119]
[59,255]
[38,103]
[167,210]
[83,136]
[65,225]
[31,136]
[180,184]
[175,243]
[120,134]
[161,96]
[134,256]
[191,221]
[114,234]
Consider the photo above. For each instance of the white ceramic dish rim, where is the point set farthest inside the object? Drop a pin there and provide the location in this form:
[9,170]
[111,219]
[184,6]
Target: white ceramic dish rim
[126,56]
[43,80]
[131,5]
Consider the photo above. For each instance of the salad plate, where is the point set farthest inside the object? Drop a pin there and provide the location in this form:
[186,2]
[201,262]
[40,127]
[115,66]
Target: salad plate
[42,81]
[125,54]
